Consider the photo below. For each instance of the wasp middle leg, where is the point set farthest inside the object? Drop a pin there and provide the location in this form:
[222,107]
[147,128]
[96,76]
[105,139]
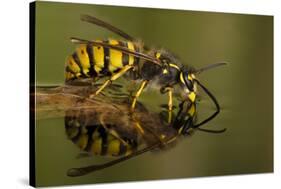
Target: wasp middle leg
[169,91]
[138,93]
[170,104]
[112,78]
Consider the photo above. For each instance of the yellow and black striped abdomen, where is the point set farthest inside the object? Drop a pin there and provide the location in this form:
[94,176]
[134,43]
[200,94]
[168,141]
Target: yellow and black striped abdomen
[97,61]
[97,140]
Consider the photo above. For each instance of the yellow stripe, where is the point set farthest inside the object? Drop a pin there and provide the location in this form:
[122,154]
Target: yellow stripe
[174,66]
[115,57]
[72,65]
[98,57]
[158,54]
[131,57]
[110,137]
[82,141]
[95,135]
[181,77]
[191,110]
[128,150]
[192,96]
[97,146]
[68,75]
[113,147]
[84,58]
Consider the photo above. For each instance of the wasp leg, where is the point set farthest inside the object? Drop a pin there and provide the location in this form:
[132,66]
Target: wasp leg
[169,90]
[113,77]
[142,129]
[170,105]
[112,132]
[75,172]
[139,128]
[138,93]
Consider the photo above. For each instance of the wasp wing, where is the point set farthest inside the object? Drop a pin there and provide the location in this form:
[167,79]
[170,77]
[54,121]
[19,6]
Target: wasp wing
[118,48]
[103,24]
[54,101]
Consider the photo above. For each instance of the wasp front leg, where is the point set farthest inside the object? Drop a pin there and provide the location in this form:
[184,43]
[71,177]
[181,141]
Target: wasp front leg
[170,104]
[112,78]
[138,93]
[170,101]
[169,91]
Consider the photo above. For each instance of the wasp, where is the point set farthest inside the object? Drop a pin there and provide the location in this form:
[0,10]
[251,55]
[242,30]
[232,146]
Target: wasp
[111,58]
[115,133]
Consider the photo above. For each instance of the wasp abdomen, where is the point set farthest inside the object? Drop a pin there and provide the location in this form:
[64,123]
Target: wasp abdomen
[98,141]
[97,61]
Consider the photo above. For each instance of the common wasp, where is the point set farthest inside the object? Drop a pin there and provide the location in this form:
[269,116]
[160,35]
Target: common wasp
[113,58]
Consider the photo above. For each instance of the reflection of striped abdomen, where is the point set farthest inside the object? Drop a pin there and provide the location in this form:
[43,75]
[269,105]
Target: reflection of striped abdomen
[96,140]
[92,61]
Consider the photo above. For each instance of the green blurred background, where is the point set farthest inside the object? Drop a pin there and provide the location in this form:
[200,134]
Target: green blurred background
[244,89]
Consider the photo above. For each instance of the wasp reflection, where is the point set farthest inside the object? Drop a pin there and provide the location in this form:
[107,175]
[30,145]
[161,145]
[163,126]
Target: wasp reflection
[106,125]
[123,134]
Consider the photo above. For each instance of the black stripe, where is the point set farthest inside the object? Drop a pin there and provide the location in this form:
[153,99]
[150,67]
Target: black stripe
[90,52]
[117,70]
[69,123]
[136,59]
[90,130]
[123,44]
[103,135]
[67,69]
[76,138]
[122,149]
[105,70]
[125,56]
[77,61]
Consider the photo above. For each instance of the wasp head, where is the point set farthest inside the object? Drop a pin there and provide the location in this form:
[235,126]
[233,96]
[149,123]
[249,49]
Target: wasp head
[188,85]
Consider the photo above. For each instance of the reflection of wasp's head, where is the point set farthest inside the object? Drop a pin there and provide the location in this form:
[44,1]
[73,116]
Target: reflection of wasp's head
[186,120]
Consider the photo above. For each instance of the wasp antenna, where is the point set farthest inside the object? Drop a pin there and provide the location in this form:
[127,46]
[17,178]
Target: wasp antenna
[211,66]
[212,131]
[215,102]
[75,172]
[77,40]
